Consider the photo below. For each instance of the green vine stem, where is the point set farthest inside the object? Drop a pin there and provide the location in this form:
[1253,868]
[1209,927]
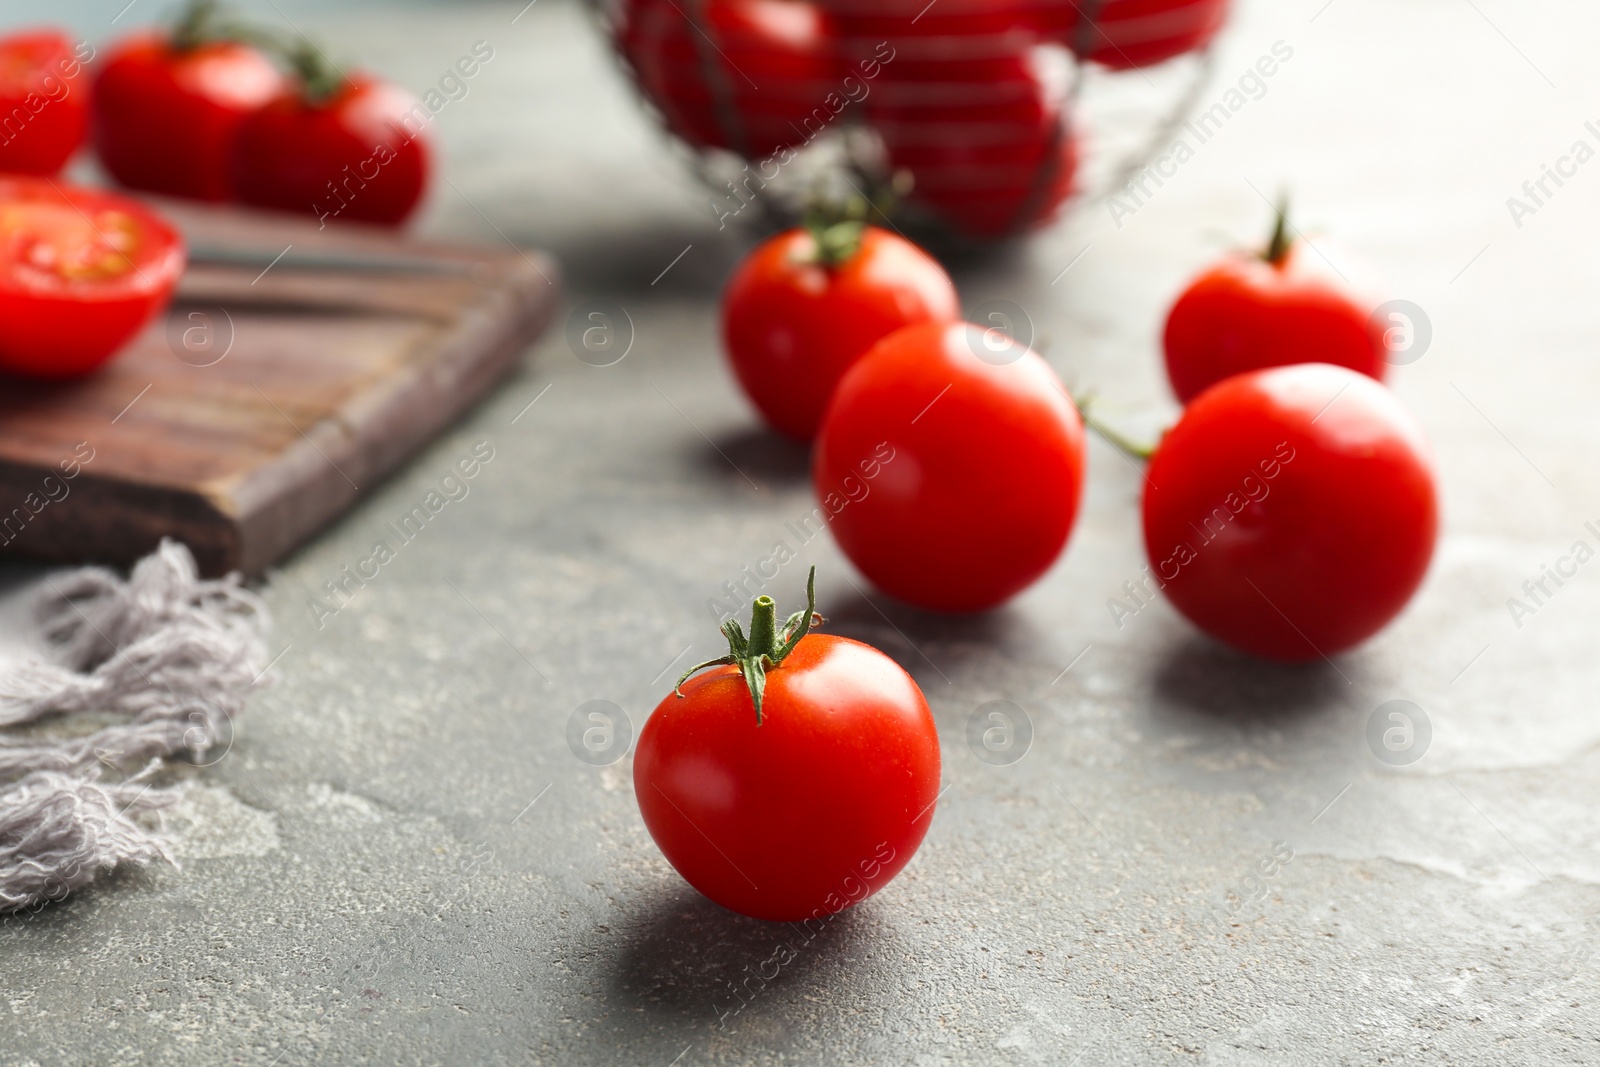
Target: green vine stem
[1121,442]
[319,77]
[207,22]
[197,25]
[766,647]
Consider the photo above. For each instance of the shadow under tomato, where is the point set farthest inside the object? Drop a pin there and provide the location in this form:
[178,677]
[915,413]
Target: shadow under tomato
[765,456]
[1209,679]
[19,392]
[629,260]
[682,955]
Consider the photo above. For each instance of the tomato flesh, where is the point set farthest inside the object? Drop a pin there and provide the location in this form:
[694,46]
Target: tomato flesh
[792,326]
[813,810]
[952,481]
[81,272]
[1292,512]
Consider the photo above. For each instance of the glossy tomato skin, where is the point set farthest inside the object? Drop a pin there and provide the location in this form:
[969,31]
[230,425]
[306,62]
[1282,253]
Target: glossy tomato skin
[986,134]
[122,263]
[44,102]
[1138,33]
[1245,314]
[792,326]
[164,120]
[364,154]
[816,808]
[754,77]
[952,481]
[1292,512]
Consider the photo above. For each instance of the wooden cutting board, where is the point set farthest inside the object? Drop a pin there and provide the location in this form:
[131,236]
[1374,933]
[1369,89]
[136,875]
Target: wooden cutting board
[270,398]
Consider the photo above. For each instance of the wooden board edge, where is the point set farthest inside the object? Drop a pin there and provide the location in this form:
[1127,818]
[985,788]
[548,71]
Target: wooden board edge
[347,456]
[72,520]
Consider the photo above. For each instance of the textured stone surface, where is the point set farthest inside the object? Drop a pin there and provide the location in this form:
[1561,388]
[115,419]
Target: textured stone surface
[399,861]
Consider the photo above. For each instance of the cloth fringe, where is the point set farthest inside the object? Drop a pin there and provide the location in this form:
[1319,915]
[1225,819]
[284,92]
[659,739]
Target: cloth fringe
[175,654]
[60,831]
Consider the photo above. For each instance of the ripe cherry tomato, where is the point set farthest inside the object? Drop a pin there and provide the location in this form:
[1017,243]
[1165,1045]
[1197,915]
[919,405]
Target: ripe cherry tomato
[1138,33]
[165,112]
[44,102]
[949,28]
[985,136]
[361,152]
[952,481]
[795,317]
[751,76]
[803,805]
[80,272]
[1251,311]
[1292,511]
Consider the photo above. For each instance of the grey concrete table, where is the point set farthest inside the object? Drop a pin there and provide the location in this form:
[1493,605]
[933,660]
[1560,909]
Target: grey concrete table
[400,860]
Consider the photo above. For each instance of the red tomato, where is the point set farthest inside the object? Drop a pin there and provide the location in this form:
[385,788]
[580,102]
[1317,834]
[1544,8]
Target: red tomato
[1292,511]
[808,807]
[1137,33]
[164,118]
[793,325]
[952,480]
[80,272]
[44,102]
[1252,311]
[949,28]
[751,76]
[985,136]
[364,153]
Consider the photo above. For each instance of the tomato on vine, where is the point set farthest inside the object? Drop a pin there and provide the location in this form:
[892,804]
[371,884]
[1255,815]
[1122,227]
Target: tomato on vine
[1292,512]
[797,777]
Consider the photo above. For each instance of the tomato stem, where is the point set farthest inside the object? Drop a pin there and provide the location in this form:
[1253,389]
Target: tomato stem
[836,228]
[1117,440]
[766,647]
[319,78]
[203,22]
[837,223]
[1278,245]
[196,26]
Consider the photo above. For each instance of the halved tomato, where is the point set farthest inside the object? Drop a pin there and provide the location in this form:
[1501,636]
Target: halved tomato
[81,271]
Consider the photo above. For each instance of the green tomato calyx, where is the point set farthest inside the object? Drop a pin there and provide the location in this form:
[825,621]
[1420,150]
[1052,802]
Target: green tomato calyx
[766,647]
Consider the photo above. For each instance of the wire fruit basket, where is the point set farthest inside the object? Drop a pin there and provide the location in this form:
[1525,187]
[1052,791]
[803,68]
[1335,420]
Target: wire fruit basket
[985,117]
